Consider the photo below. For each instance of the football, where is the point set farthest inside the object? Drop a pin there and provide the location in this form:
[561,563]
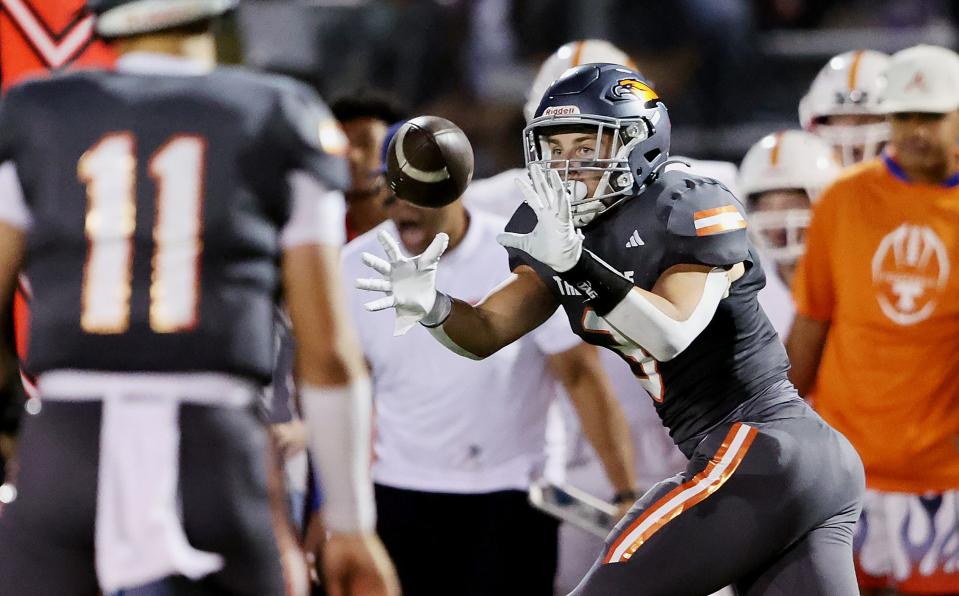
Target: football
[429,162]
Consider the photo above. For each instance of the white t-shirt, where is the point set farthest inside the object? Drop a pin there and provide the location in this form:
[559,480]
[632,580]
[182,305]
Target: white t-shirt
[777,300]
[445,423]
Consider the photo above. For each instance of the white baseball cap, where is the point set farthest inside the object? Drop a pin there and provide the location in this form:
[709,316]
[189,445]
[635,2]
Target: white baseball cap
[922,78]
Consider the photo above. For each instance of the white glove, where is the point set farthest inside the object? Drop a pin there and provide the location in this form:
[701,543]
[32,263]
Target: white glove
[409,282]
[554,241]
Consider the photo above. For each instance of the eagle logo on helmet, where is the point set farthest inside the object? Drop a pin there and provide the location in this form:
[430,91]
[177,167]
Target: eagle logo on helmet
[635,88]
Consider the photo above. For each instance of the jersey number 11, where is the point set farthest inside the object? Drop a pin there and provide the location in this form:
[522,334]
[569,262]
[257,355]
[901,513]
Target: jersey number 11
[108,169]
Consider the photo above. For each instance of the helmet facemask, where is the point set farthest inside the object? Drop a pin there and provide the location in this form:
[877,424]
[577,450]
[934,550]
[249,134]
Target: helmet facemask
[780,233]
[613,142]
[854,143]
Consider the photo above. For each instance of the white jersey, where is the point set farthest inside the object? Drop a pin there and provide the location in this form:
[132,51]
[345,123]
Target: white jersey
[445,423]
[777,300]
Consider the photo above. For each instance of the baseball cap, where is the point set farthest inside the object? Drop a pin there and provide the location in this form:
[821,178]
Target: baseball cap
[384,150]
[922,78]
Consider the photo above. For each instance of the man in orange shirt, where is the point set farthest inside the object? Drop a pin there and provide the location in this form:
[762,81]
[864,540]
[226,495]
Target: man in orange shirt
[876,341]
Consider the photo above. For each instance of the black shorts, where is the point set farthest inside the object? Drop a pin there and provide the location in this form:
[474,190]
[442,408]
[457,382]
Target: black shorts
[768,504]
[483,544]
[46,535]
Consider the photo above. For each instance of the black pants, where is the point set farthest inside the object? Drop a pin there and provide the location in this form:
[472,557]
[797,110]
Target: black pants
[768,505]
[47,535]
[491,544]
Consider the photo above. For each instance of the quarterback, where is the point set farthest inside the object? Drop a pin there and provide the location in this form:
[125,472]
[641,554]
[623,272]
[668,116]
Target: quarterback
[657,266]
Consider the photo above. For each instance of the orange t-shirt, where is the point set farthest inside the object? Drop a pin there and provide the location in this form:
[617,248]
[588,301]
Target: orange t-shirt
[882,264]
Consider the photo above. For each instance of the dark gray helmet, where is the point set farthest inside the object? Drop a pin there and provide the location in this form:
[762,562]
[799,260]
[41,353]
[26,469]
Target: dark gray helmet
[121,18]
[609,98]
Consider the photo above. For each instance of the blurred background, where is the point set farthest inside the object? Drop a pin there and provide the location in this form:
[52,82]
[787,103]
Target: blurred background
[730,71]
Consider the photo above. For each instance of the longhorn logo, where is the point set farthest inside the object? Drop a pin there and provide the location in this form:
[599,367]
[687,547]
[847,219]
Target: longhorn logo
[909,270]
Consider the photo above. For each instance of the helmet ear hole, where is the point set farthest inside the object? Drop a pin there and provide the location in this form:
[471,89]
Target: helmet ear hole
[652,154]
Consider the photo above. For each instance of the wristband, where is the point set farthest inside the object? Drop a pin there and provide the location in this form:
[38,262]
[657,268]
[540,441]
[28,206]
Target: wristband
[602,286]
[625,496]
[442,307]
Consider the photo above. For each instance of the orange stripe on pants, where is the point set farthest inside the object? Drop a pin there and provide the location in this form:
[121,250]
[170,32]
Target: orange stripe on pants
[721,466]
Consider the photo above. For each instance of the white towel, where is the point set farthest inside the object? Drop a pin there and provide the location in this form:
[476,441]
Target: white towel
[139,537]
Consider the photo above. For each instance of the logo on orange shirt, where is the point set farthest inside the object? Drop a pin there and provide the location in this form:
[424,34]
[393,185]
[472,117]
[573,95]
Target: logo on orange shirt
[909,270]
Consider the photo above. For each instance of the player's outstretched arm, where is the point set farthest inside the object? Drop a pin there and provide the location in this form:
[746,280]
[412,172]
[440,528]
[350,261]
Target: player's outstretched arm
[335,398]
[515,307]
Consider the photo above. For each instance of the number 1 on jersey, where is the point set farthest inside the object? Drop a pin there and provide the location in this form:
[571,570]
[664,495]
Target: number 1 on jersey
[648,373]
[108,169]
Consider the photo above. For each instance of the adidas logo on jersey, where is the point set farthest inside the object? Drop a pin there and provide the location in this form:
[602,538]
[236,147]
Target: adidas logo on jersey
[634,240]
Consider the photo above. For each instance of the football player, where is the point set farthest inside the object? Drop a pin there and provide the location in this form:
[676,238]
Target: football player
[771,493]
[875,338]
[781,176]
[841,105]
[150,205]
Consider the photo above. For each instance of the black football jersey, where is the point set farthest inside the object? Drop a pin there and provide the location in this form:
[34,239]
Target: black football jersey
[157,205]
[679,219]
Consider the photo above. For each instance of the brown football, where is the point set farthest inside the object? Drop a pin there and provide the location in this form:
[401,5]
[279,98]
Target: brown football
[429,162]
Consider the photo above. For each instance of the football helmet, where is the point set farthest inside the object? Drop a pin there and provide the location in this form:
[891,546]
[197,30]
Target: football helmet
[120,18]
[848,85]
[632,131]
[785,160]
[571,55]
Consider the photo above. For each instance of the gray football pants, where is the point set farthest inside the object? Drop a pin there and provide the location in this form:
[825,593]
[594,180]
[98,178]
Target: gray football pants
[766,506]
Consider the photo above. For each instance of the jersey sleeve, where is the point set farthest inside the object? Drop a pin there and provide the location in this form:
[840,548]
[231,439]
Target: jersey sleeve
[813,288]
[311,137]
[317,213]
[705,226]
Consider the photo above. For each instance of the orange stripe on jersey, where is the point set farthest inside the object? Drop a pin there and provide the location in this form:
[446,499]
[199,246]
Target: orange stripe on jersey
[715,211]
[718,220]
[720,468]
[577,53]
[721,228]
[777,145]
[854,70]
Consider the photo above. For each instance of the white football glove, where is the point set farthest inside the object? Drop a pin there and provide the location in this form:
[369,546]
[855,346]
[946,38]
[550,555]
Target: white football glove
[554,241]
[409,282]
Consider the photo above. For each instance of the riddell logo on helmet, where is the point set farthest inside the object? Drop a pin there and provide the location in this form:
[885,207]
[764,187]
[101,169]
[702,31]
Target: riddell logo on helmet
[561,111]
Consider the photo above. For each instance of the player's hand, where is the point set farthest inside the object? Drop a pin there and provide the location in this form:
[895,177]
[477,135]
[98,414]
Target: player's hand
[554,241]
[357,565]
[409,282]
